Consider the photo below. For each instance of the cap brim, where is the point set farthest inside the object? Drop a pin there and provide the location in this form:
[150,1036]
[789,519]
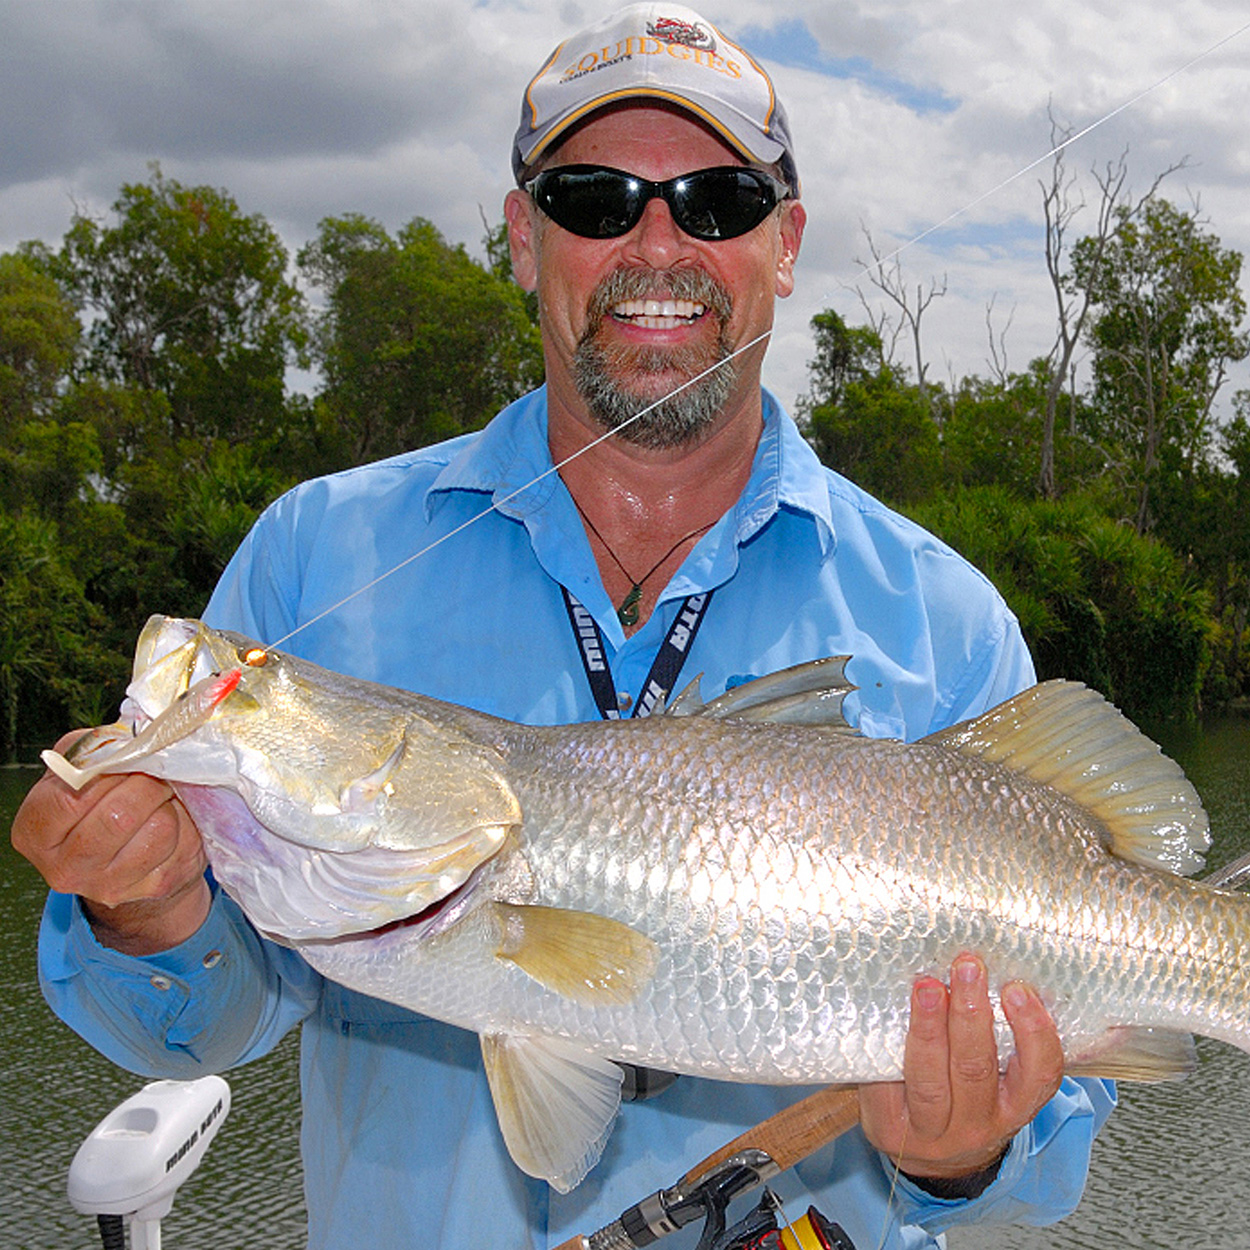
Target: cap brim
[742,136]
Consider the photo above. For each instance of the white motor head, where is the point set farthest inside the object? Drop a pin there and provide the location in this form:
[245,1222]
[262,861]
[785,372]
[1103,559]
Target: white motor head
[141,1152]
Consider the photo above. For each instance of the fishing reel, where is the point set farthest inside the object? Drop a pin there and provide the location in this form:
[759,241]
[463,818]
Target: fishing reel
[708,1199]
[762,1230]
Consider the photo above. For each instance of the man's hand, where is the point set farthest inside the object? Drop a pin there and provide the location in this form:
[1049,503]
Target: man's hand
[953,1115]
[127,847]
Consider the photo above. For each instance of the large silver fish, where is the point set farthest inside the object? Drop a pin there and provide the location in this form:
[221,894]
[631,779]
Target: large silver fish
[724,890]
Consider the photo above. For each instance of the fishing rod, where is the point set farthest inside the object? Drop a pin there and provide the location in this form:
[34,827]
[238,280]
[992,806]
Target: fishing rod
[751,1159]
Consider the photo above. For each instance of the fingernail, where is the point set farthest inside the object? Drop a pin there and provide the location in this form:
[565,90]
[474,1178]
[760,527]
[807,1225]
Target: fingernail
[1015,996]
[929,996]
[968,971]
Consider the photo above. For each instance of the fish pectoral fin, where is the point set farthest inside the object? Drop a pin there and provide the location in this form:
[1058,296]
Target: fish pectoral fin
[587,958]
[1136,1053]
[555,1103]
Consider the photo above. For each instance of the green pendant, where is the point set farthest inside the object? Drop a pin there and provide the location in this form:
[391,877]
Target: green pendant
[627,611]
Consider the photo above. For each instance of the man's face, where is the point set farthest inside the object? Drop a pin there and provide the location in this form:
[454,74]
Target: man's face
[627,320]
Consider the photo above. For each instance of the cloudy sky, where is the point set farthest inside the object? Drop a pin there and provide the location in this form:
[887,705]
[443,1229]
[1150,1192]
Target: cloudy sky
[904,112]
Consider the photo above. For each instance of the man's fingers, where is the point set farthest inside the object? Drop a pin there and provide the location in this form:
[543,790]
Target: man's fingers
[1036,1068]
[160,857]
[926,1066]
[973,1048]
[119,839]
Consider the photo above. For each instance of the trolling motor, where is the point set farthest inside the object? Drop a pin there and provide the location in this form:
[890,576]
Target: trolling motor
[135,1159]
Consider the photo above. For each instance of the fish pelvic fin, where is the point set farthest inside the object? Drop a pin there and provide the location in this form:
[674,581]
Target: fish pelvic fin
[1069,737]
[584,957]
[803,694]
[1135,1053]
[555,1102]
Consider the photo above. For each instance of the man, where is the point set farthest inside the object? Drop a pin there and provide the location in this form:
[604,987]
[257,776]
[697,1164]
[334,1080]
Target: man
[704,528]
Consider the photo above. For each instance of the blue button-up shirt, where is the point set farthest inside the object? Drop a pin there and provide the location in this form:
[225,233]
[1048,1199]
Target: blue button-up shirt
[463,602]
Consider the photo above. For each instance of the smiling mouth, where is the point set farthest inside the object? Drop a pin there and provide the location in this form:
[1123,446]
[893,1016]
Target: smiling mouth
[658,314]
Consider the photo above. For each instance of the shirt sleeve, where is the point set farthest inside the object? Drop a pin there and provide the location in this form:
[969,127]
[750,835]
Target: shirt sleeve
[1043,1176]
[220,998]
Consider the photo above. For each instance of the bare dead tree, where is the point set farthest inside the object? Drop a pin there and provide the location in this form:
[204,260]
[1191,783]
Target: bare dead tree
[885,272]
[998,343]
[1062,202]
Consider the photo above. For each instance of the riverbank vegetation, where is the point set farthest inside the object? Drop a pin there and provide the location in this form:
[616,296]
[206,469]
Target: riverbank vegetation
[146,417]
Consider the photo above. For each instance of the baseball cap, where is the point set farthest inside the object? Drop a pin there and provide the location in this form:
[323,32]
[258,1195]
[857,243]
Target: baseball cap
[662,52]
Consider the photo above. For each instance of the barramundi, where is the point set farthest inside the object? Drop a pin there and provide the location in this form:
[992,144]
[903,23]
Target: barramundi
[743,889]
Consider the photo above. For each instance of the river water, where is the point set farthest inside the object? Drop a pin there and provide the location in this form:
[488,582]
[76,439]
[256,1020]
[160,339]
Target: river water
[1170,1169]
[54,1089]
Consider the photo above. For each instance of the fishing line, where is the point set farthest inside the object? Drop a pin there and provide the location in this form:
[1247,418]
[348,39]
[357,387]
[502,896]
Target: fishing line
[924,234]
[496,504]
[889,1198]
[1059,147]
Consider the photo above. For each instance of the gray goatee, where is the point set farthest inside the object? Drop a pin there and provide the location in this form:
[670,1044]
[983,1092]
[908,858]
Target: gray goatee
[612,379]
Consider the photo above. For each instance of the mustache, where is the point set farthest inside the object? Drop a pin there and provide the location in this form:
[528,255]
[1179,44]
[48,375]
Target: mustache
[645,282]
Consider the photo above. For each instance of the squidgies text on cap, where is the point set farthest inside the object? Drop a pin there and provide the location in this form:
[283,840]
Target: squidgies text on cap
[662,52]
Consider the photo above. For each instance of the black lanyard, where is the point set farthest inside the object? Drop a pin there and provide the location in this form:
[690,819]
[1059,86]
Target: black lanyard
[664,668]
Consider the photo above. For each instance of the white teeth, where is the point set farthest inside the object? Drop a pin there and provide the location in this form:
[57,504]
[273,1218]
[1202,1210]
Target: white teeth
[656,314]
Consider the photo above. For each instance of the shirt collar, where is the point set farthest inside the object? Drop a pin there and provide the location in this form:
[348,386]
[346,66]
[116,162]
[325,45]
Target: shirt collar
[510,460]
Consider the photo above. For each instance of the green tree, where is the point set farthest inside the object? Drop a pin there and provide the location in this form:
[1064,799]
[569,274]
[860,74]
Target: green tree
[864,420]
[189,297]
[39,335]
[1165,325]
[1096,601]
[417,341]
[994,428]
[54,669]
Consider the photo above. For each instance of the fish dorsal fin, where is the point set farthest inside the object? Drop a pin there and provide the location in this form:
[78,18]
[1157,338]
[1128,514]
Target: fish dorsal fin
[584,957]
[804,694]
[1069,737]
[555,1103]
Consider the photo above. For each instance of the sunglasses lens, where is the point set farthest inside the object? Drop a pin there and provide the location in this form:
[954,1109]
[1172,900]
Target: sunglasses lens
[592,203]
[710,204]
[721,203]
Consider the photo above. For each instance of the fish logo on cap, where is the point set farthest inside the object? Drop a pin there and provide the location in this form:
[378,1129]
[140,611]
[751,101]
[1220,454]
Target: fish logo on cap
[674,30]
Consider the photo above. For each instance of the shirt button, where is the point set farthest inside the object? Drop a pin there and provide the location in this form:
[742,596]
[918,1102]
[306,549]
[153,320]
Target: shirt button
[161,983]
[624,702]
[212,959]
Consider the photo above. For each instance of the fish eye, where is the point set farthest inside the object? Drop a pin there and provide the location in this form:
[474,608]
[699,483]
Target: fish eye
[254,657]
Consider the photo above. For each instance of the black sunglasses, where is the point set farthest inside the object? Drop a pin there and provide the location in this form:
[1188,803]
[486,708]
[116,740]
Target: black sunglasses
[595,202]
